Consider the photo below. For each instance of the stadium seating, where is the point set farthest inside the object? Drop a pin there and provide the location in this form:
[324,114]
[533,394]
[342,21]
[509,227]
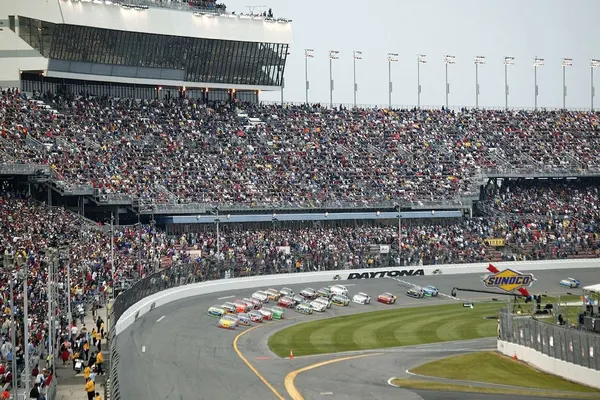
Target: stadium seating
[232,153]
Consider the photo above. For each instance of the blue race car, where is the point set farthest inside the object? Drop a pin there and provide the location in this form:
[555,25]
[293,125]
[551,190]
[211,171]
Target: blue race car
[570,283]
[430,291]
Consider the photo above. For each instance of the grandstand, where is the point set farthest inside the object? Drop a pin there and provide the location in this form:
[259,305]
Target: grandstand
[141,49]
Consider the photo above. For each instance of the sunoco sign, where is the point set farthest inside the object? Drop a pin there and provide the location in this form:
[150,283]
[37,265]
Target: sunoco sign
[386,274]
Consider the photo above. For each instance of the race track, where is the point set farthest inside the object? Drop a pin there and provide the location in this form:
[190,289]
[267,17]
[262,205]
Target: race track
[177,351]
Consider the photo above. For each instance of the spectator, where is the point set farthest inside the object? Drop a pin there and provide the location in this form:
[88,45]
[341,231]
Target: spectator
[90,388]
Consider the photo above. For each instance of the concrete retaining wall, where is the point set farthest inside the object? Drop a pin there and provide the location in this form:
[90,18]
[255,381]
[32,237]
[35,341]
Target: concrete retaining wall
[572,372]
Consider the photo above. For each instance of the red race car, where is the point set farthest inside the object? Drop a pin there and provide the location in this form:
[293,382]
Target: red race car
[286,302]
[387,298]
[241,306]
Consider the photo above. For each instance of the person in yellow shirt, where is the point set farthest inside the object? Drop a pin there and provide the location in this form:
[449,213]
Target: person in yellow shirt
[86,350]
[98,397]
[99,361]
[86,372]
[90,388]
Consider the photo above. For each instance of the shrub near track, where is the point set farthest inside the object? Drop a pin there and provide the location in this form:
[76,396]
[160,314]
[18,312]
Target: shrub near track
[387,328]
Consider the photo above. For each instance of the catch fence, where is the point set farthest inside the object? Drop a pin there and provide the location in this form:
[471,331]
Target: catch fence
[563,342]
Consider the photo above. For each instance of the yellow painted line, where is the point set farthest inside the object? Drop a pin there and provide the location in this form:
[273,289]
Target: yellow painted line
[289,379]
[244,359]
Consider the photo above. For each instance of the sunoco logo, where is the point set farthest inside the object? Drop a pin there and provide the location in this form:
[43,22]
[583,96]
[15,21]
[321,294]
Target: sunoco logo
[384,274]
[508,280]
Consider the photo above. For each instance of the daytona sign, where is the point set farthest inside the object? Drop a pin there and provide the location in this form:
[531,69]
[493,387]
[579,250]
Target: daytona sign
[386,274]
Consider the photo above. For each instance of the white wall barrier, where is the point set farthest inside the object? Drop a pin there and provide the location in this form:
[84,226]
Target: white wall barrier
[564,369]
[195,289]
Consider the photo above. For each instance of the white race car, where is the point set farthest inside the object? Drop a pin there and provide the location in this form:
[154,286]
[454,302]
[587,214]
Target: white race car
[318,306]
[361,298]
[339,290]
[261,296]
[323,300]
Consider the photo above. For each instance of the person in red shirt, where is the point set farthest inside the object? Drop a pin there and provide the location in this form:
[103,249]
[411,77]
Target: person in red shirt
[5,395]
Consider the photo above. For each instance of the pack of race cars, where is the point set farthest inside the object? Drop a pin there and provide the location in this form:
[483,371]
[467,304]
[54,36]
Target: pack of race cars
[255,309]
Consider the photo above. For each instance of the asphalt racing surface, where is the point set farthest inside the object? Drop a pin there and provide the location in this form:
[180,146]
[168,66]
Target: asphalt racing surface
[178,352]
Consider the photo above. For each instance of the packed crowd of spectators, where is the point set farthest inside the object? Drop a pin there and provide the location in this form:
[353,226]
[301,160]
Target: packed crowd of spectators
[234,153]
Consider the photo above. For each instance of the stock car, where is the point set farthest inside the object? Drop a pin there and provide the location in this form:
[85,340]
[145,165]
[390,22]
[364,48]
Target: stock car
[230,308]
[340,300]
[253,303]
[273,294]
[430,291]
[339,290]
[266,313]
[308,293]
[228,322]
[304,309]
[286,291]
[261,296]
[244,319]
[241,306]
[361,298]
[387,298]
[298,299]
[286,302]
[324,300]
[570,283]
[318,306]
[277,312]
[216,311]
[256,316]
[324,292]
[415,292]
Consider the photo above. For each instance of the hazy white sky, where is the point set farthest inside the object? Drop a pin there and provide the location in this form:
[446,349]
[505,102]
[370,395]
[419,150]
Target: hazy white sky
[549,29]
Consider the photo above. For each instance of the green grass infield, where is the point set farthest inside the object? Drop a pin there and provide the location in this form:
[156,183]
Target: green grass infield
[388,328]
[492,367]
[450,387]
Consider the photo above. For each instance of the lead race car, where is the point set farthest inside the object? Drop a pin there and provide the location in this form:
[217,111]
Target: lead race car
[570,283]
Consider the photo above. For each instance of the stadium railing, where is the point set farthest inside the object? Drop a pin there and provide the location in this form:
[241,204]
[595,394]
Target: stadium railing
[576,346]
[172,4]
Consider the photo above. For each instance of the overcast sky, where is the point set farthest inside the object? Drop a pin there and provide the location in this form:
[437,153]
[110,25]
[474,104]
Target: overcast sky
[549,29]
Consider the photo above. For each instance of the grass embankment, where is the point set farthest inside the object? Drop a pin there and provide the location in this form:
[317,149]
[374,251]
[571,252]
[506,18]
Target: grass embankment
[491,367]
[388,328]
[448,387]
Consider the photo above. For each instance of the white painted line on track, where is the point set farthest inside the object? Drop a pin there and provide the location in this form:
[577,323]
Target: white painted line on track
[143,349]
[226,297]
[160,319]
[351,284]
[326,393]
[390,382]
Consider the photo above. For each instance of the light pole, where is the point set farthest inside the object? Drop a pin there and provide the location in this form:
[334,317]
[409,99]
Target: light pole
[566,62]
[421,59]
[333,55]
[479,60]
[399,232]
[507,61]
[448,60]
[25,324]
[13,330]
[391,57]
[112,256]
[217,221]
[595,63]
[356,56]
[308,53]
[537,62]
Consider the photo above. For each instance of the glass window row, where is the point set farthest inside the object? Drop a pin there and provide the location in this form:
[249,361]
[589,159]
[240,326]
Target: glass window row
[202,60]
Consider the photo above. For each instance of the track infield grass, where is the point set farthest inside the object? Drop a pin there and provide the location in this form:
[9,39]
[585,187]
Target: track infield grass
[388,328]
[450,387]
[492,367]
